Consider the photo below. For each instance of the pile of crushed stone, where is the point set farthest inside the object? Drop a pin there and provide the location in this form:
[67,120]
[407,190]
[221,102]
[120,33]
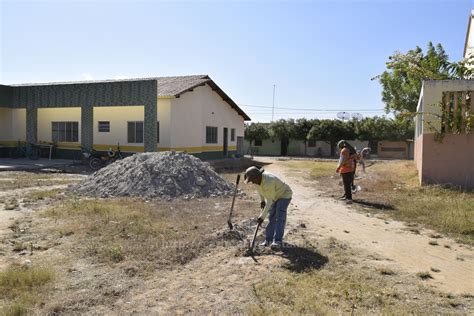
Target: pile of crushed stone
[155,175]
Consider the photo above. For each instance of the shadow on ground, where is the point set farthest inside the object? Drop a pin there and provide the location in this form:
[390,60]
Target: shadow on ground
[379,206]
[302,259]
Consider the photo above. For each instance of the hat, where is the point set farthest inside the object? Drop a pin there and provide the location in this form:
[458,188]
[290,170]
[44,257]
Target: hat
[251,173]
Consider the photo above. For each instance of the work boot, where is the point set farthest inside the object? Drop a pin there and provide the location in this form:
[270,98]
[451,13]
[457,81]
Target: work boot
[348,201]
[276,245]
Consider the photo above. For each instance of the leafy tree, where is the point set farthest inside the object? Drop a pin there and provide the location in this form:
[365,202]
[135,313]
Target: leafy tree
[300,130]
[375,129]
[331,131]
[254,131]
[402,80]
[282,129]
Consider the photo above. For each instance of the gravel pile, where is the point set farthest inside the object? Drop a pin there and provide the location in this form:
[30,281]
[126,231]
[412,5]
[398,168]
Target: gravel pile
[151,175]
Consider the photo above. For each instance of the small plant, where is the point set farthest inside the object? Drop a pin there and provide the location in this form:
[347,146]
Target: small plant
[424,275]
[116,253]
[385,271]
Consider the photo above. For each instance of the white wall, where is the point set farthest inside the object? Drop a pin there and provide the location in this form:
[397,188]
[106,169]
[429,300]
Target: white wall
[193,111]
[164,117]
[433,95]
[118,116]
[48,115]
[12,125]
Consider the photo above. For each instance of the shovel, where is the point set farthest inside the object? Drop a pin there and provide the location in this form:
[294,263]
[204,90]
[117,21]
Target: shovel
[252,245]
[229,222]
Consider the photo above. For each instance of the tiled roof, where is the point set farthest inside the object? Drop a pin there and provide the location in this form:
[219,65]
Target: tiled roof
[167,87]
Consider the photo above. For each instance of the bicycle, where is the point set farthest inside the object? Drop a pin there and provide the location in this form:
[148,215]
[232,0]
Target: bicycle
[85,156]
[96,163]
[22,149]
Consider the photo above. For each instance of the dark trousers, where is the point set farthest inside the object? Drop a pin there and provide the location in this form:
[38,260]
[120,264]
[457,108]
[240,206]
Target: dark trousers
[347,180]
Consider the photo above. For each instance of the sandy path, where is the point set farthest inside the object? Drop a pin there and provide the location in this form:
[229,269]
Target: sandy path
[389,240]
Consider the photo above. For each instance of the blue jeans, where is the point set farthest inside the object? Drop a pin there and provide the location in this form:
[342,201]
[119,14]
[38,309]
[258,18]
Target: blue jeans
[276,221]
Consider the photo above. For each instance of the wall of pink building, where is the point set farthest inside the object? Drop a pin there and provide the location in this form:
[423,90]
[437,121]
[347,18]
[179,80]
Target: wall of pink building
[449,162]
[418,156]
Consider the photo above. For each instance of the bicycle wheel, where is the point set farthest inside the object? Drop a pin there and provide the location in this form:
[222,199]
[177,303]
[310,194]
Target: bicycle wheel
[95,164]
[34,153]
[16,152]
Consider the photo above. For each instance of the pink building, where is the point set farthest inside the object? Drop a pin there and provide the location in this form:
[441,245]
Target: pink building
[446,107]
[446,110]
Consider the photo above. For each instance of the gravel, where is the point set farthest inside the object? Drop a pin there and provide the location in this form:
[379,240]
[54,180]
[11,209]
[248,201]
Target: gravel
[155,175]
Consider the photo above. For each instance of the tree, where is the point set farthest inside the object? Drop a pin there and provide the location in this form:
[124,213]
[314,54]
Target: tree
[254,131]
[375,129]
[300,130]
[332,131]
[282,129]
[401,82]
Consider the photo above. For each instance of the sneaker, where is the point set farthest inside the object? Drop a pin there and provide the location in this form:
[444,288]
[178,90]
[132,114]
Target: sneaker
[348,201]
[265,244]
[276,245]
[342,197]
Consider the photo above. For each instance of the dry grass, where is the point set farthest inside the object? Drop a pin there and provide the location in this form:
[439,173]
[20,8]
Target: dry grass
[19,180]
[344,286]
[23,288]
[393,186]
[151,234]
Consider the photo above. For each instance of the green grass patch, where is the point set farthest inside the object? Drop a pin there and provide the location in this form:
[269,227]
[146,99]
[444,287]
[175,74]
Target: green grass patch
[315,169]
[24,288]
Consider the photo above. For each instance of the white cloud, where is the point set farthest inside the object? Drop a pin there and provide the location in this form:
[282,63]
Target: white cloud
[87,76]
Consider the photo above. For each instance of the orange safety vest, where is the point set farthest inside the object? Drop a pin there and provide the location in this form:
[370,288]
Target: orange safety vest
[347,163]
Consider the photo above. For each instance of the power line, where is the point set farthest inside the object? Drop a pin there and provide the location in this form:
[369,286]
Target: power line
[311,110]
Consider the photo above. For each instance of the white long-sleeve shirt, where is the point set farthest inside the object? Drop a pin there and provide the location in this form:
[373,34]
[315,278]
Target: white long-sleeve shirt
[270,190]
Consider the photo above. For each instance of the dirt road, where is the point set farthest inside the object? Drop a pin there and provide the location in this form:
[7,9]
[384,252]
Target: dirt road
[389,241]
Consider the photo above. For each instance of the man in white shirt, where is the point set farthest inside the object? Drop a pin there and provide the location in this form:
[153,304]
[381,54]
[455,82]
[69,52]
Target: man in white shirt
[275,196]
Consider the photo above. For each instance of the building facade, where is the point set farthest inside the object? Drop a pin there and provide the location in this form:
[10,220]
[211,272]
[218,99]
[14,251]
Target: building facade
[186,113]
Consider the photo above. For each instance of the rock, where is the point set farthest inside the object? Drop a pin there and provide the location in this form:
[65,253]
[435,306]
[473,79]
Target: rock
[26,264]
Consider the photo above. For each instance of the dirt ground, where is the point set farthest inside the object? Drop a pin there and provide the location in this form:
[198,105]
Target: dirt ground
[322,233]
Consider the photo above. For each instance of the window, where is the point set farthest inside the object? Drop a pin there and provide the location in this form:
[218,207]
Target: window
[65,131]
[258,142]
[211,135]
[232,134]
[104,126]
[312,143]
[157,132]
[135,132]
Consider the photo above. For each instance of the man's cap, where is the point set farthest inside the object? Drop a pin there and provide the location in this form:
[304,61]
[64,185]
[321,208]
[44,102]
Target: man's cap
[252,173]
[341,143]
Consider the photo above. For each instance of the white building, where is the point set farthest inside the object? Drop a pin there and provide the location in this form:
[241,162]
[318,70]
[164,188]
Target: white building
[185,113]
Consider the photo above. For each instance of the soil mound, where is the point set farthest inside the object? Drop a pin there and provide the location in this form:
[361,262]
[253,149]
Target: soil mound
[155,175]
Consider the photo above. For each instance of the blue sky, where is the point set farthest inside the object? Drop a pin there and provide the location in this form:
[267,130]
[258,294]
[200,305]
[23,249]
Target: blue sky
[319,54]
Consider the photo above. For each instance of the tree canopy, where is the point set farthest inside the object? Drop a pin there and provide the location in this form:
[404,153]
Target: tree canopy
[401,82]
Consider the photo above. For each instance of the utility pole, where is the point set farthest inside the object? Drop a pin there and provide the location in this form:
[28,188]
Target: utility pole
[273,107]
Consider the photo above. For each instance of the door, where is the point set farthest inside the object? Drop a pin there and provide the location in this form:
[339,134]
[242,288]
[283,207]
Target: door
[284,147]
[240,146]
[225,141]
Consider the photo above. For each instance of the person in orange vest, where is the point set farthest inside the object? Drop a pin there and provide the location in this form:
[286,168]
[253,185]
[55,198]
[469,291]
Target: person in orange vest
[346,168]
